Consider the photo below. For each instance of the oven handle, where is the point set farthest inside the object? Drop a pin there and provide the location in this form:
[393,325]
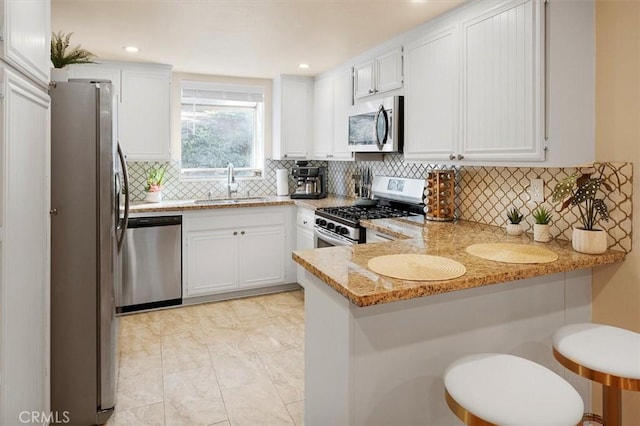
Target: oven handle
[331,239]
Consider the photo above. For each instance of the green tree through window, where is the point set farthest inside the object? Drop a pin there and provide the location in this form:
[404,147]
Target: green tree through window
[218,128]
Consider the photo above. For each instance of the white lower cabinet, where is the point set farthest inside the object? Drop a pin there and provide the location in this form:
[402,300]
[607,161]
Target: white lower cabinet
[236,249]
[304,236]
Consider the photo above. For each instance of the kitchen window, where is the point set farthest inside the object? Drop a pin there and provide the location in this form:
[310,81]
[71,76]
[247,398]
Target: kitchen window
[221,124]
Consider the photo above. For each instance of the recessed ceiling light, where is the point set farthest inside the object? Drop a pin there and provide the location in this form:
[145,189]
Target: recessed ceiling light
[303,66]
[131,49]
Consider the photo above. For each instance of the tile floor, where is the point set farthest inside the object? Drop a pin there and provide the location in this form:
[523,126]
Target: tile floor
[238,362]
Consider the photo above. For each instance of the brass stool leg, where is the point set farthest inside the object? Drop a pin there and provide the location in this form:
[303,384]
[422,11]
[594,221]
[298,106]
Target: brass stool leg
[611,406]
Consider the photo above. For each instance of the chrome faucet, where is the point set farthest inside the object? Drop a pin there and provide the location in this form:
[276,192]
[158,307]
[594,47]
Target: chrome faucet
[232,186]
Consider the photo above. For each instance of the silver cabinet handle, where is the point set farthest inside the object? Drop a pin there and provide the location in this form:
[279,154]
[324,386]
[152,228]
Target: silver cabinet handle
[285,156]
[304,222]
[54,212]
[452,157]
[242,233]
[371,92]
[235,233]
[460,157]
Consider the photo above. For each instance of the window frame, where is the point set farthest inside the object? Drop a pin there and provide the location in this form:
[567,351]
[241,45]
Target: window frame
[259,146]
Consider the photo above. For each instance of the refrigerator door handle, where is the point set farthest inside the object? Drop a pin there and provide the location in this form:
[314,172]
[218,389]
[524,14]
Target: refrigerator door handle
[125,219]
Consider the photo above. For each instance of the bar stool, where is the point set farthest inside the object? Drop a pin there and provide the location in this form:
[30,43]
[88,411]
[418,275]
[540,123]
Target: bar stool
[499,389]
[604,354]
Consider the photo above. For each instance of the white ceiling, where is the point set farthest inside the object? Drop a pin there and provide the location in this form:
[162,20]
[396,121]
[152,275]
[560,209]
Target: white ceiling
[247,38]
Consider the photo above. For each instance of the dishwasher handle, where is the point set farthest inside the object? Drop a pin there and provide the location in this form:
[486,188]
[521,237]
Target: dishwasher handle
[152,221]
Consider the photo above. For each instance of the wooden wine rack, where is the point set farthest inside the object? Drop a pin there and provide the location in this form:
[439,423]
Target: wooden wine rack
[440,195]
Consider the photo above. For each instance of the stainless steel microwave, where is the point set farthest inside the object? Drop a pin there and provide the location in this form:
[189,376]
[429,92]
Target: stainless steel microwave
[376,126]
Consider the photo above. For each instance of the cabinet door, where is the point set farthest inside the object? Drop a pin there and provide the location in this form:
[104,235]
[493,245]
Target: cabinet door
[388,71]
[342,101]
[145,114]
[363,80]
[24,247]
[296,117]
[211,262]
[502,73]
[431,112]
[262,256]
[26,29]
[323,118]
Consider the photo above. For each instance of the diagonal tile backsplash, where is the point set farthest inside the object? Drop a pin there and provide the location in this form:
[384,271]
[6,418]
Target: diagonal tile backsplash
[483,194]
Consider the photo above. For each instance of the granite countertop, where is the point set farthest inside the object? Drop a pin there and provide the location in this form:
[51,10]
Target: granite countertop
[258,201]
[345,269]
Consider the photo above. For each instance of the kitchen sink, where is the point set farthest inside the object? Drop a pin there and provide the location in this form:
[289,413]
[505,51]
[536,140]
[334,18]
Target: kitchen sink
[216,201]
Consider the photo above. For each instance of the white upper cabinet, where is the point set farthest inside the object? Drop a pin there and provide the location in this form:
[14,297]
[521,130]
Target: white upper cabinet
[25,37]
[332,99]
[143,109]
[342,102]
[381,74]
[431,103]
[475,86]
[502,83]
[145,114]
[323,118]
[292,117]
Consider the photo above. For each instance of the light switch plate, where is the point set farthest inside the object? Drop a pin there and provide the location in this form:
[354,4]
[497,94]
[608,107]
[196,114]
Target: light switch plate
[536,189]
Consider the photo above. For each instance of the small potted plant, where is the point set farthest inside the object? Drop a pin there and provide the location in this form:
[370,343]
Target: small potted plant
[60,57]
[153,187]
[581,190]
[541,233]
[514,227]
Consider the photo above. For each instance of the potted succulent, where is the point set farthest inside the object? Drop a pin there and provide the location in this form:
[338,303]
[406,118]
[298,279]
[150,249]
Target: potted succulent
[514,227]
[541,233]
[60,57]
[153,186]
[581,190]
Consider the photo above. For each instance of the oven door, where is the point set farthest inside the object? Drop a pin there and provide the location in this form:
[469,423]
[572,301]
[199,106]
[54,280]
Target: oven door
[324,238]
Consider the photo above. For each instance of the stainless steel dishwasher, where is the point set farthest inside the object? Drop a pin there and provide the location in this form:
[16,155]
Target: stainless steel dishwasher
[152,264]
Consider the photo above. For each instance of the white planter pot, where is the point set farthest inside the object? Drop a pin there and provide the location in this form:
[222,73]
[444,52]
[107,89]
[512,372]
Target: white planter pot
[541,233]
[154,197]
[589,242]
[58,74]
[514,229]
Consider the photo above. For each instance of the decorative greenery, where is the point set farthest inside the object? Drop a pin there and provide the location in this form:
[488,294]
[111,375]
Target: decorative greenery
[580,189]
[542,216]
[514,216]
[60,58]
[155,179]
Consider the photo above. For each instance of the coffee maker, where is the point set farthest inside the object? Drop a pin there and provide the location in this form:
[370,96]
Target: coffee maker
[311,182]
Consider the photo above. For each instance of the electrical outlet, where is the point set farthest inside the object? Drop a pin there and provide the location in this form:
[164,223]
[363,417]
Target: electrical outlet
[536,189]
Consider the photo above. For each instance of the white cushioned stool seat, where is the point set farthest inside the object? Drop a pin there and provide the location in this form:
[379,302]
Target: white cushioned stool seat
[601,348]
[509,390]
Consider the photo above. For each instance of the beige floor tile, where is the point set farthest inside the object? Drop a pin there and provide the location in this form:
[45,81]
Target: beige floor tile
[176,358]
[136,363]
[177,322]
[140,390]
[286,369]
[211,335]
[149,415]
[296,410]
[275,338]
[181,340]
[257,404]
[251,312]
[200,383]
[139,338]
[235,372]
[225,423]
[195,412]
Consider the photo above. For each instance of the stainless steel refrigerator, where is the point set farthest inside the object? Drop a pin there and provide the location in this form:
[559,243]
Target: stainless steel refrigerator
[88,222]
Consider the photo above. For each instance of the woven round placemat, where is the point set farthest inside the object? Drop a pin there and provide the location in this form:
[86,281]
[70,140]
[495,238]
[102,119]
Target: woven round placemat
[416,267]
[512,253]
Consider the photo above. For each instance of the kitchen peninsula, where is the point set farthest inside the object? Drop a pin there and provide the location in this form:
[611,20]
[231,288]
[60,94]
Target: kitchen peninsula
[376,347]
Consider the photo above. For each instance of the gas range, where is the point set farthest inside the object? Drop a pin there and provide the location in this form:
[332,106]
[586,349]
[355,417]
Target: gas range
[396,197]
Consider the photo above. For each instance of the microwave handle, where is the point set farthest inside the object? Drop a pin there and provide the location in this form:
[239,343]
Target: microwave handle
[380,141]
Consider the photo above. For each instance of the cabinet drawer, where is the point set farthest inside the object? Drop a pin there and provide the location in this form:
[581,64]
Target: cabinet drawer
[235,221]
[305,218]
